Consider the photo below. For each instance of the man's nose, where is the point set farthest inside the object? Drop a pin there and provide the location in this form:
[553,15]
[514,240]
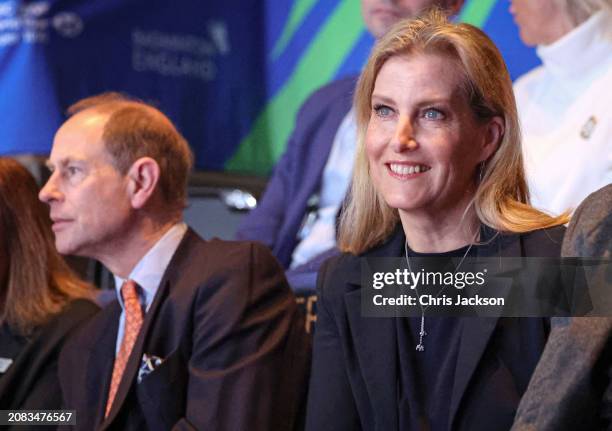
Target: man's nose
[50,192]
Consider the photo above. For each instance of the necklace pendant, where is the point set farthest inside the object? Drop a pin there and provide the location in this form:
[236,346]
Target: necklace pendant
[420,347]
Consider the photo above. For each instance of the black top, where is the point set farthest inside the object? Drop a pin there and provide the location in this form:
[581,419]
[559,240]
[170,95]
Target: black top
[425,378]
[10,344]
[31,381]
[356,372]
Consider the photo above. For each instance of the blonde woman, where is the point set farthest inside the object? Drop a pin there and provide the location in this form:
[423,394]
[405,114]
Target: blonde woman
[41,300]
[565,104]
[438,173]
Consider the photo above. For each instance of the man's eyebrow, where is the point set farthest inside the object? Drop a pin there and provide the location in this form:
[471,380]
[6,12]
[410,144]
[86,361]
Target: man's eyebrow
[62,162]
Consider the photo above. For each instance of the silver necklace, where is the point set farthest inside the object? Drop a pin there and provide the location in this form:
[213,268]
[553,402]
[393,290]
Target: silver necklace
[421,347]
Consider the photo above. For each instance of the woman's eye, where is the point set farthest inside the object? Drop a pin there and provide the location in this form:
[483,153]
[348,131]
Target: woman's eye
[433,114]
[383,110]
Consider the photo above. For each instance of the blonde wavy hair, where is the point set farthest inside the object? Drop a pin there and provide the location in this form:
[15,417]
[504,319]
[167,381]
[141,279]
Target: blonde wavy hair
[501,200]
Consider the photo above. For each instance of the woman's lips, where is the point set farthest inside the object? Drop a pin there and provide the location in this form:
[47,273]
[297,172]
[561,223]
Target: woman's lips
[406,170]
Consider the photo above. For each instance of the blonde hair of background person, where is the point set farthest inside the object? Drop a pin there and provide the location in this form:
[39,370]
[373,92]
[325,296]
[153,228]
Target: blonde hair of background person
[580,10]
[501,200]
[35,281]
[564,103]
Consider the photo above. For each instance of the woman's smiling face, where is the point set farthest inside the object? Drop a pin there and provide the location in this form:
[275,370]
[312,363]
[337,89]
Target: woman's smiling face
[423,141]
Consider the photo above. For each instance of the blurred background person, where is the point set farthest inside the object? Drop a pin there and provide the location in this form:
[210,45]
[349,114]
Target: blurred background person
[41,299]
[570,388]
[438,174]
[297,215]
[565,105]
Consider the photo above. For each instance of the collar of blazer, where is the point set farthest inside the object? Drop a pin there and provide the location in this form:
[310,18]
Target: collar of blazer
[374,338]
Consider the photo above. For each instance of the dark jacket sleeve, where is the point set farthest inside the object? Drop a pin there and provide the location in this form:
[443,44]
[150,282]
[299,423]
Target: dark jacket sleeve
[277,217]
[33,382]
[264,222]
[330,401]
[250,359]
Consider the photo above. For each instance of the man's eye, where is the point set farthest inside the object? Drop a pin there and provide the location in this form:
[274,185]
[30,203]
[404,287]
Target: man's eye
[433,114]
[71,170]
[382,110]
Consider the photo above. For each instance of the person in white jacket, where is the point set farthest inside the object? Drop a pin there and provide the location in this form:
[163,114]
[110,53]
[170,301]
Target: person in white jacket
[565,105]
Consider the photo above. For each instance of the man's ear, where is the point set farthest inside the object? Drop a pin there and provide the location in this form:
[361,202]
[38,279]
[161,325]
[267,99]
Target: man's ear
[494,133]
[143,177]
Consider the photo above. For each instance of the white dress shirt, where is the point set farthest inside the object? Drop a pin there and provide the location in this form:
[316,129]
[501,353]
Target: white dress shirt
[320,234]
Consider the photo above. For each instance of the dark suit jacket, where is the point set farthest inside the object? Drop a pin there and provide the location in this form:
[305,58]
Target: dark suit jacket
[297,175]
[31,381]
[354,374]
[234,349]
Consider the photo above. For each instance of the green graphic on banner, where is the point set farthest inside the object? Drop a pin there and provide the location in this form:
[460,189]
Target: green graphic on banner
[265,143]
[476,12]
[298,12]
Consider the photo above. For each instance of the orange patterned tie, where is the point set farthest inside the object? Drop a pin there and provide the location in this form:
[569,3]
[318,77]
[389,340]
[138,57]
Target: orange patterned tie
[133,322]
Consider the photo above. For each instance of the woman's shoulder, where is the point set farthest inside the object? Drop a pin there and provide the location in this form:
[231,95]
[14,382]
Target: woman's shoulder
[544,242]
[342,273]
[337,274]
[340,265]
[79,308]
[74,314]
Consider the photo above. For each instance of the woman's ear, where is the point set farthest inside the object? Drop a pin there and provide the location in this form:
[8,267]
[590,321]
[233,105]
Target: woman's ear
[494,133]
[143,177]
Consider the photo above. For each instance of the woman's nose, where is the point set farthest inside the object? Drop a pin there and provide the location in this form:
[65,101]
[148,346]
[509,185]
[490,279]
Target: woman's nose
[403,139]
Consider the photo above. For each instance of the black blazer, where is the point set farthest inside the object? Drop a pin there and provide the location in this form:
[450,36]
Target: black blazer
[31,382]
[234,351]
[354,373]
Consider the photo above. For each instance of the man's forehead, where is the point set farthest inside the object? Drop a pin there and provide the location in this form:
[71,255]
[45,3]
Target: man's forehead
[79,138]
[88,120]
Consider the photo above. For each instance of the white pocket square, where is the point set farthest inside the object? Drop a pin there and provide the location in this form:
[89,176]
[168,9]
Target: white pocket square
[147,365]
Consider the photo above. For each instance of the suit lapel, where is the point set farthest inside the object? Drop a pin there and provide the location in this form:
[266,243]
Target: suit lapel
[148,325]
[375,343]
[99,363]
[134,360]
[476,332]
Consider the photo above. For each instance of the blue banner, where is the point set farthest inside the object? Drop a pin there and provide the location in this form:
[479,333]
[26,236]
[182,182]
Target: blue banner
[231,74]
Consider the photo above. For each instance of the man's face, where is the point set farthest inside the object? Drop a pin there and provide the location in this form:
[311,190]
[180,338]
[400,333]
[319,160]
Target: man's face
[88,197]
[380,15]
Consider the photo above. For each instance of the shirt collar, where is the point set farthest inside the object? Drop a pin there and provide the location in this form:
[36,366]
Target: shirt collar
[582,51]
[149,271]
